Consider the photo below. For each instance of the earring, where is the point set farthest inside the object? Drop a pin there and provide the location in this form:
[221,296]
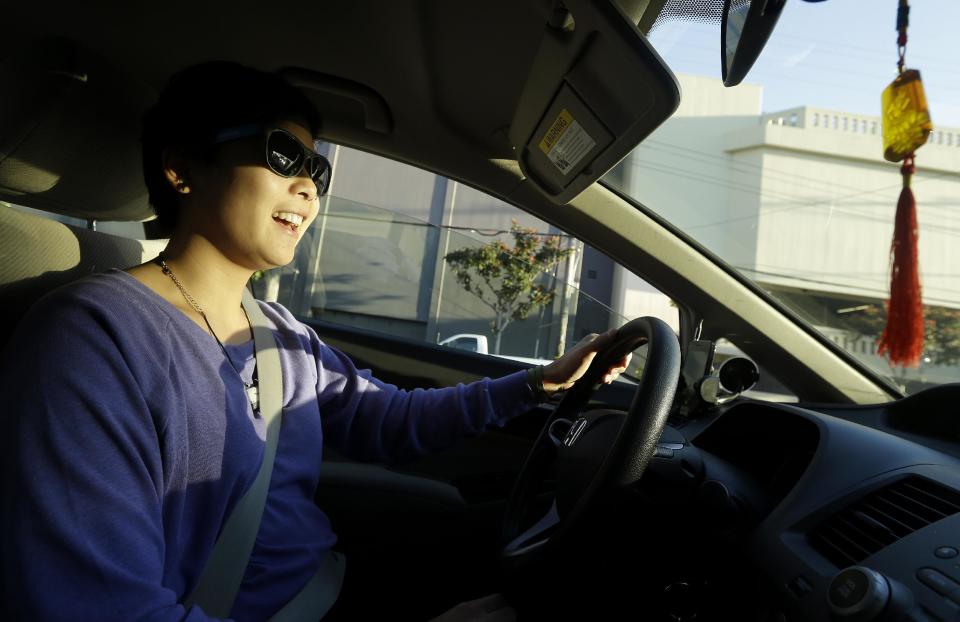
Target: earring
[182,187]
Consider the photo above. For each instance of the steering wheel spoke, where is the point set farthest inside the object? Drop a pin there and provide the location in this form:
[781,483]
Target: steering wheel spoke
[592,452]
[537,534]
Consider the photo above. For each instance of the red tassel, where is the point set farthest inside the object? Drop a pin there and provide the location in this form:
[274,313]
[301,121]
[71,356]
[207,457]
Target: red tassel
[902,338]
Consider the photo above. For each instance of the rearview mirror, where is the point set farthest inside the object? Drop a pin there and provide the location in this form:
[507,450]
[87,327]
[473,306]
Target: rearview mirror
[745,28]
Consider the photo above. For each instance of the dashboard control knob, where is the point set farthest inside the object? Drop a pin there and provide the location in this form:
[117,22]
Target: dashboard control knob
[858,594]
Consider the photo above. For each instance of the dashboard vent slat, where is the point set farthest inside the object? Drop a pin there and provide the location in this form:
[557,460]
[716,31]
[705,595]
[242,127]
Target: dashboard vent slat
[834,550]
[874,529]
[949,504]
[876,521]
[902,515]
[892,523]
[919,507]
[853,538]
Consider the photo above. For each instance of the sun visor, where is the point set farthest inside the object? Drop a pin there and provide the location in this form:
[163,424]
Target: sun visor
[69,134]
[595,90]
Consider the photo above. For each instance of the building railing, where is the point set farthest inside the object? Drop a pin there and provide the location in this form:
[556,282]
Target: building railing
[862,125]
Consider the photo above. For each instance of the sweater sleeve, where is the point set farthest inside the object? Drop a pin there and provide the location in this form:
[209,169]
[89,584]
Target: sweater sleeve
[82,481]
[369,420]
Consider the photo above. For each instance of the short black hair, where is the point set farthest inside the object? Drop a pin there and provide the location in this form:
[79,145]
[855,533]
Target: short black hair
[200,101]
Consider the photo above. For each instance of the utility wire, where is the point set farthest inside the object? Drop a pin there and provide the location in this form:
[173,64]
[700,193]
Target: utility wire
[730,163]
[784,39]
[797,203]
[881,293]
[419,223]
[734,164]
[772,55]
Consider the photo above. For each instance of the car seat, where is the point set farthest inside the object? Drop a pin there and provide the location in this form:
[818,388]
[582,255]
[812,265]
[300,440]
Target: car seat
[69,126]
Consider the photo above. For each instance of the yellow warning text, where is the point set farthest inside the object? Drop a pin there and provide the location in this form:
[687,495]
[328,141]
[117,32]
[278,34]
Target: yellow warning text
[564,119]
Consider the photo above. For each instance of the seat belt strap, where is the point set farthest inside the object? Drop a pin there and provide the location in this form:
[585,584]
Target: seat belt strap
[218,585]
[318,595]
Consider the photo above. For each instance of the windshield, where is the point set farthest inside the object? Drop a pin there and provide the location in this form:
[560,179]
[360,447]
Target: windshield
[783,176]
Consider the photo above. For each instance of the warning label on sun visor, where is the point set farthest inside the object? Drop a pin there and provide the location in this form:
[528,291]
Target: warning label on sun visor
[566,142]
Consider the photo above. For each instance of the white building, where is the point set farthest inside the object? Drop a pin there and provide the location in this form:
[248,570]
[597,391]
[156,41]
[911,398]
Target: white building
[800,200]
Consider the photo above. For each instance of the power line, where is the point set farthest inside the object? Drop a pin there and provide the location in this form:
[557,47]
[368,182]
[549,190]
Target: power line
[420,223]
[744,166]
[714,73]
[772,56]
[777,41]
[797,204]
[740,165]
[883,277]
[943,83]
[865,52]
[939,228]
[882,293]
[693,175]
[764,170]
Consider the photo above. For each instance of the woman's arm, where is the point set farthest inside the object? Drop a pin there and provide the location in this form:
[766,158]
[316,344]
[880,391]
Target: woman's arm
[370,420]
[367,419]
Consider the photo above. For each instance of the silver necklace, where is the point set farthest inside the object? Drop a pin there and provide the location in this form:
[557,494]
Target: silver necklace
[252,389]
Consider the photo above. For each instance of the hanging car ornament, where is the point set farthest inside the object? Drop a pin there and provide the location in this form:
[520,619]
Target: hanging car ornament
[906,120]
[906,126]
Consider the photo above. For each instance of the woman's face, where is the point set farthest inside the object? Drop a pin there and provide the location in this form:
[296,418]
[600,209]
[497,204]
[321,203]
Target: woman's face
[238,204]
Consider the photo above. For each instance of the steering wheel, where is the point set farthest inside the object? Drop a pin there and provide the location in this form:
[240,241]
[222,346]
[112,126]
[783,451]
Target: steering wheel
[595,452]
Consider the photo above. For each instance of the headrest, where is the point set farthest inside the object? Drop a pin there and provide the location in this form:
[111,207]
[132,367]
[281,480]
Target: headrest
[38,254]
[69,134]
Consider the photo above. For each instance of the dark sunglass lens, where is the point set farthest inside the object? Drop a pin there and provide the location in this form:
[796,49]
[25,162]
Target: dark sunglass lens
[284,154]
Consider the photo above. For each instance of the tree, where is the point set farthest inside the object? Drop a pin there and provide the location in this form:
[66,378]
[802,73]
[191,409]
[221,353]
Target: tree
[941,330]
[942,334]
[505,278]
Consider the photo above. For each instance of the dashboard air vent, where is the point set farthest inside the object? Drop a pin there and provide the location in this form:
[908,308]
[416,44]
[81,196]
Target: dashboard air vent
[881,518]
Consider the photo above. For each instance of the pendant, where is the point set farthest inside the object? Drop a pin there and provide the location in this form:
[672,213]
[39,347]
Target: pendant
[253,394]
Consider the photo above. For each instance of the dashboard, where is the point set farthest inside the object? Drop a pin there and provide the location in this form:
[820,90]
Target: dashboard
[850,512]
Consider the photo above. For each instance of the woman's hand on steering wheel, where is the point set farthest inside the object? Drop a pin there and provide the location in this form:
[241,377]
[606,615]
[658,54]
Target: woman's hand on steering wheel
[566,370]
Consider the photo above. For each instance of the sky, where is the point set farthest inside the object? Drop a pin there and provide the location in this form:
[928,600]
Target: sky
[837,54]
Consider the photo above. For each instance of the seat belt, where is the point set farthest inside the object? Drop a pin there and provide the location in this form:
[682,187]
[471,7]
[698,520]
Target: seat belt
[318,595]
[220,581]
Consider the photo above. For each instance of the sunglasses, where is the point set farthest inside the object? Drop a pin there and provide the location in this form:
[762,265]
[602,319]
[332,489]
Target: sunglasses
[286,155]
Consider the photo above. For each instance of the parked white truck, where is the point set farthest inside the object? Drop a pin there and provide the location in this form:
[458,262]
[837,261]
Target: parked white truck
[478,343]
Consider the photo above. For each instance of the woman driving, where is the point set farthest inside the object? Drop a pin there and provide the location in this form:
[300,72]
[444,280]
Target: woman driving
[133,416]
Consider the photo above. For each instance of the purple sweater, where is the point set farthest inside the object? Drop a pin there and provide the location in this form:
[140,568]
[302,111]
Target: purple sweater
[128,440]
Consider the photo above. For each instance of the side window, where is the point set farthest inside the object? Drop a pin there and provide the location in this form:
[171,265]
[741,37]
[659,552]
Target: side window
[409,253]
